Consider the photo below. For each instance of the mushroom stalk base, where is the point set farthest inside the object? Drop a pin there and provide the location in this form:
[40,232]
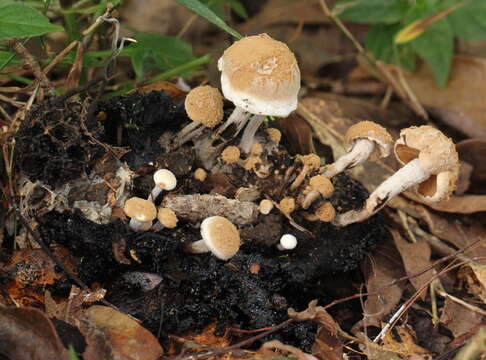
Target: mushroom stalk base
[409,175]
[249,134]
[361,151]
[154,194]
[188,132]
[197,247]
[136,225]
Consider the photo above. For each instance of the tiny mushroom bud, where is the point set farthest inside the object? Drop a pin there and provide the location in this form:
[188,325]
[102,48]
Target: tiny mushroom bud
[200,174]
[287,205]
[431,167]
[219,236]
[204,106]
[265,206]
[230,155]
[274,135]
[260,76]
[141,212]
[287,242]
[326,212]
[164,180]
[167,217]
[256,149]
[311,162]
[365,139]
[319,185]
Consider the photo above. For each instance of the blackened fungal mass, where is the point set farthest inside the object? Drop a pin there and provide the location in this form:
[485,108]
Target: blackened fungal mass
[51,145]
[143,119]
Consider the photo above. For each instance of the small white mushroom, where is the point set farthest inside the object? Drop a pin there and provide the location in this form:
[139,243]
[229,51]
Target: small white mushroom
[287,242]
[142,212]
[260,76]
[431,167]
[366,140]
[219,236]
[164,180]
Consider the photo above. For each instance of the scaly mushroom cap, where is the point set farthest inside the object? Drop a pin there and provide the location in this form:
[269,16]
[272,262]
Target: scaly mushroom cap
[204,105]
[322,184]
[312,161]
[436,153]
[220,236]
[326,212]
[265,206]
[373,132]
[287,205]
[260,75]
[230,155]
[167,217]
[274,135]
[140,209]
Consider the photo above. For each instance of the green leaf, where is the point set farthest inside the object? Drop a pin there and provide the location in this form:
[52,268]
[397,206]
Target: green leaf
[238,8]
[469,22]
[372,11]
[18,20]
[203,11]
[157,51]
[436,47]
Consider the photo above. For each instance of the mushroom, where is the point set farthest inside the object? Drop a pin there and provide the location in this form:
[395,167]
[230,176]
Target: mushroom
[230,155]
[319,185]
[260,76]
[287,242]
[365,140]
[200,174]
[287,205]
[431,167]
[141,212]
[219,236]
[274,135]
[167,217]
[265,206]
[326,212]
[204,106]
[311,162]
[164,180]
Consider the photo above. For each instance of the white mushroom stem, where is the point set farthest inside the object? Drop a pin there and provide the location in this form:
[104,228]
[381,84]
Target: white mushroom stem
[312,196]
[198,247]
[239,116]
[300,178]
[249,134]
[360,152]
[188,132]
[155,193]
[136,225]
[409,175]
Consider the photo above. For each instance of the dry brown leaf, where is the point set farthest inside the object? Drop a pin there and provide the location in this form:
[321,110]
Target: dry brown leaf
[31,271]
[416,258]
[374,351]
[298,133]
[207,338]
[27,334]
[473,151]
[458,318]
[407,346]
[327,345]
[461,103]
[169,88]
[383,266]
[274,349]
[111,332]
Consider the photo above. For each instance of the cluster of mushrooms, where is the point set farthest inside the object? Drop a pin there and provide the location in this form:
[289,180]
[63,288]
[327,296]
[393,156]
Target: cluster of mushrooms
[261,77]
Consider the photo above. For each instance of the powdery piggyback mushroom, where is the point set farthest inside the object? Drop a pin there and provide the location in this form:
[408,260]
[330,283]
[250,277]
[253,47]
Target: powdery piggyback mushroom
[431,167]
[204,106]
[260,76]
[365,140]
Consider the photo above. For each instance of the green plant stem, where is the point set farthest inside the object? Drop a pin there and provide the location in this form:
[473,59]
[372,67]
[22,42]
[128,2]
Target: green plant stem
[181,68]
[21,79]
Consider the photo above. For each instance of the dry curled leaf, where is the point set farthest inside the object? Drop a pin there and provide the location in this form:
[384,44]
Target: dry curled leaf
[416,259]
[458,318]
[111,334]
[274,349]
[406,345]
[27,334]
[473,151]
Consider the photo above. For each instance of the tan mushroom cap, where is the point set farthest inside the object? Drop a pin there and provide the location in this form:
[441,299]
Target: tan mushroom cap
[326,212]
[265,206]
[260,75]
[287,205]
[140,209]
[436,153]
[373,132]
[230,155]
[322,184]
[200,174]
[167,217]
[274,135]
[312,161]
[220,236]
[204,105]
[256,149]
